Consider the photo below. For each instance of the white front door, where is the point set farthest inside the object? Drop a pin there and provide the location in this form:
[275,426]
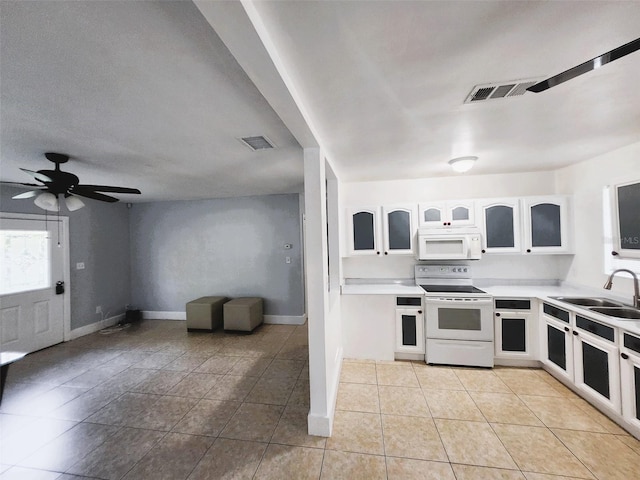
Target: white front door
[32,260]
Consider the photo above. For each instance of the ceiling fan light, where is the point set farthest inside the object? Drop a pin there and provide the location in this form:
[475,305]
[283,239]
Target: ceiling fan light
[462,164]
[73,203]
[47,201]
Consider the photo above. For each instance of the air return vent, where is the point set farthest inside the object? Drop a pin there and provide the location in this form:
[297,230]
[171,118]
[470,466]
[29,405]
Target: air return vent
[494,91]
[257,143]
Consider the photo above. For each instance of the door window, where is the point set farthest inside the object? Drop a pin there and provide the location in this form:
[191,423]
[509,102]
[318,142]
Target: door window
[24,264]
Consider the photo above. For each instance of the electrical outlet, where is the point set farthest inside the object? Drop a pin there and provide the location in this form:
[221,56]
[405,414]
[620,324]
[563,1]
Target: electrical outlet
[287,260]
[80,266]
[98,309]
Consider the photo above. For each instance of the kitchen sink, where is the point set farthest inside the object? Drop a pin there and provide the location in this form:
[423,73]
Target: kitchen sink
[588,301]
[630,313]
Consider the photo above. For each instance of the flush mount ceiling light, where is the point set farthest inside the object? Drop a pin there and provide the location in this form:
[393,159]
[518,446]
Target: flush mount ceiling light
[462,164]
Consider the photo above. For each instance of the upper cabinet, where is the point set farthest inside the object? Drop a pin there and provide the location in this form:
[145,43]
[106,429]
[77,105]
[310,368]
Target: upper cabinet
[626,205]
[398,230]
[364,227]
[546,224]
[446,214]
[381,231]
[499,221]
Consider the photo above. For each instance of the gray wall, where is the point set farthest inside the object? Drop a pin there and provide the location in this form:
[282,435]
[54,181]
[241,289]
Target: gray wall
[232,246]
[99,237]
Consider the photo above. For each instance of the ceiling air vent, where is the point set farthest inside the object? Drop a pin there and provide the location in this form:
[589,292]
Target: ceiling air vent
[257,143]
[494,91]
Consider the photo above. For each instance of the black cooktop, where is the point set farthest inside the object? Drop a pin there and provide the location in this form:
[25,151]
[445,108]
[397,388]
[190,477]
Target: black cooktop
[451,289]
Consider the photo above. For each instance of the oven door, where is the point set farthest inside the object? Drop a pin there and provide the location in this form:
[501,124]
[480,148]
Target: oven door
[465,318]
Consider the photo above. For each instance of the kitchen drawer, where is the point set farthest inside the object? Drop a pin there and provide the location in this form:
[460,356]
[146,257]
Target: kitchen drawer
[556,312]
[595,328]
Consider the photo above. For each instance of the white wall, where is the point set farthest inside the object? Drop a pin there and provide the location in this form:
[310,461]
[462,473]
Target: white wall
[325,333]
[539,267]
[585,181]
[448,188]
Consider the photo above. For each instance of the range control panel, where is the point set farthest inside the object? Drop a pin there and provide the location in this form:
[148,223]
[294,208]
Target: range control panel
[442,271]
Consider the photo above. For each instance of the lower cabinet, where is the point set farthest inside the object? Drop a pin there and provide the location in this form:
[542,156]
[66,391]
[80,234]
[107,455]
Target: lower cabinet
[409,325]
[597,368]
[367,326]
[557,344]
[515,337]
[630,378]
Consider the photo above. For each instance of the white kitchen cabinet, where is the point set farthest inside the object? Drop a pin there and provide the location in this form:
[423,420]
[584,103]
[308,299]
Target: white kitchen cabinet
[399,230]
[446,214]
[515,332]
[499,220]
[409,325]
[546,224]
[626,228]
[368,329]
[557,343]
[364,231]
[630,379]
[596,364]
[381,230]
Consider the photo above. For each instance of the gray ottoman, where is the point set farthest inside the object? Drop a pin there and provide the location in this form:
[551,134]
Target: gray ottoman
[243,314]
[205,313]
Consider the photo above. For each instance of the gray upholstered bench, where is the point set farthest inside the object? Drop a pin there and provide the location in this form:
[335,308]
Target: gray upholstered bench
[205,313]
[243,314]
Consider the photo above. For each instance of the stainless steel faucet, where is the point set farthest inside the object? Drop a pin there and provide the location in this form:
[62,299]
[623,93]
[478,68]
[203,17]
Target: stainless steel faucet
[636,287]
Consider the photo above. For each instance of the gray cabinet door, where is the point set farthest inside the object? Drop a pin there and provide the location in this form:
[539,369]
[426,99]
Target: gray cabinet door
[546,230]
[364,231]
[499,226]
[628,207]
[399,225]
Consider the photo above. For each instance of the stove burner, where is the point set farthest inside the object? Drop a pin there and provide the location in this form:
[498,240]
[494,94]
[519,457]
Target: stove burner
[451,289]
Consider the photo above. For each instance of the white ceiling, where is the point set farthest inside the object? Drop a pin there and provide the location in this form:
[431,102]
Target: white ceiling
[147,95]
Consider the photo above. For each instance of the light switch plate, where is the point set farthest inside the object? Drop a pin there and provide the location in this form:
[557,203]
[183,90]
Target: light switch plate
[80,266]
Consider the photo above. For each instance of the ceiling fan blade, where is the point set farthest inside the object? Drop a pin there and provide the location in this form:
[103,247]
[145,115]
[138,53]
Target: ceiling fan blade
[587,66]
[37,175]
[106,188]
[19,184]
[29,194]
[94,195]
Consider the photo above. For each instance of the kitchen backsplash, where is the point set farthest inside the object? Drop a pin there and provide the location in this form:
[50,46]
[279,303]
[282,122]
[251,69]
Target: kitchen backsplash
[533,267]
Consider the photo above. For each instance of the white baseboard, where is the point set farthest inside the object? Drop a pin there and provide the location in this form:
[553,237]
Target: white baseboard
[322,425]
[153,315]
[319,425]
[95,327]
[273,319]
[285,319]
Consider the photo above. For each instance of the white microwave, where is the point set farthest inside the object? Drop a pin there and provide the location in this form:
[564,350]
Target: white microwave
[449,244]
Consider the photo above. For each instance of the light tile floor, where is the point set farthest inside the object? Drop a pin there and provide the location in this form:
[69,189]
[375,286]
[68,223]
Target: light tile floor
[154,402]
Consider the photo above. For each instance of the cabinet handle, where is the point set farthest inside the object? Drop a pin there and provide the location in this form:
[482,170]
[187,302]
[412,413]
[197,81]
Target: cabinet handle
[575,333]
[386,253]
[419,311]
[614,253]
[625,356]
[497,314]
[528,250]
[377,253]
[484,251]
[566,329]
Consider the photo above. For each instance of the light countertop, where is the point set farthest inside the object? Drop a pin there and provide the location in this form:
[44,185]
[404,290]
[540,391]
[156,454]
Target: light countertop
[541,292]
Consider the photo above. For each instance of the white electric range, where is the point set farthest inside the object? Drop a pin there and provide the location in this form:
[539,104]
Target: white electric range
[458,316]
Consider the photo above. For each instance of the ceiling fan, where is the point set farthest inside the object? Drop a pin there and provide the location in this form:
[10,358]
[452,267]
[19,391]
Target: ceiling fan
[54,183]
[587,66]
